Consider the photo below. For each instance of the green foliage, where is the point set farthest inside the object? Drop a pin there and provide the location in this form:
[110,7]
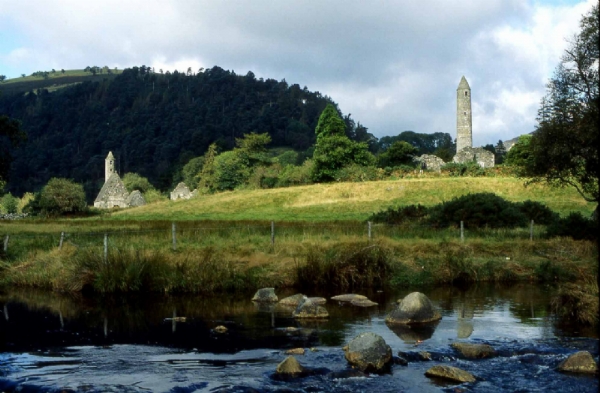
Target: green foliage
[425,143]
[133,181]
[330,123]
[358,173]
[230,171]
[288,157]
[59,197]
[296,175]
[399,215]
[520,154]
[399,153]
[8,204]
[575,226]
[11,136]
[191,172]
[467,169]
[153,195]
[537,212]
[564,147]
[206,178]
[550,272]
[344,267]
[476,210]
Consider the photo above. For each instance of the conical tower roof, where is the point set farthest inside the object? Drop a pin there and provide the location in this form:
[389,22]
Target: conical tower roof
[110,155]
[463,84]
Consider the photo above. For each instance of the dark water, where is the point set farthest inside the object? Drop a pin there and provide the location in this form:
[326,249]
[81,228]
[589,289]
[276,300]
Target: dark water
[55,343]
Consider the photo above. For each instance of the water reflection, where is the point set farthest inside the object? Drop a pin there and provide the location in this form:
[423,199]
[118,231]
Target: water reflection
[412,334]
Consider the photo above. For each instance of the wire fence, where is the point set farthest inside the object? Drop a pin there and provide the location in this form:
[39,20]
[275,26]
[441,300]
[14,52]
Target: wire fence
[181,234]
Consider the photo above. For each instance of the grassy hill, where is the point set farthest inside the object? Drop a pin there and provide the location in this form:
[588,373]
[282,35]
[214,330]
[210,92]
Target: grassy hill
[54,81]
[349,201]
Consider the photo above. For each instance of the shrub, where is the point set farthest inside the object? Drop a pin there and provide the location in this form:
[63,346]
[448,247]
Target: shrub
[478,210]
[358,173]
[133,181]
[575,226]
[400,215]
[538,212]
[296,175]
[8,204]
[27,197]
[59,197]
[468,169]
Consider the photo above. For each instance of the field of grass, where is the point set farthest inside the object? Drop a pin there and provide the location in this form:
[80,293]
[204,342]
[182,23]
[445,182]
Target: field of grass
[55,81]
[349,201]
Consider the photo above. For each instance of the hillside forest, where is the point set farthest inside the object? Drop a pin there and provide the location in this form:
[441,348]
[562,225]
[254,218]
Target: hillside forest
[155,123]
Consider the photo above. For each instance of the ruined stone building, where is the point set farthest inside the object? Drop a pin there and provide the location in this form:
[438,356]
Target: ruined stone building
[113,192]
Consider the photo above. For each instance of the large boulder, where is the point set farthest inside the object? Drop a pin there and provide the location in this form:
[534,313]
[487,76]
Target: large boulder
[414,308]
[450,373]
[579,362]
[369,352]
[265,295]
[307,309]
[474,351]
[289,366]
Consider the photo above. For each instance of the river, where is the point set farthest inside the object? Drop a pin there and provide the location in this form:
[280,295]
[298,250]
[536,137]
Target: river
[166,343]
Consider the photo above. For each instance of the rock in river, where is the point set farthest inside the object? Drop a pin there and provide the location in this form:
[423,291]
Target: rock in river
[414,308]
[348,297]
[265,295]
[308,309]
[474,351]
[290,366]
[450,373]
[368,352]
[293,300]
[579,362]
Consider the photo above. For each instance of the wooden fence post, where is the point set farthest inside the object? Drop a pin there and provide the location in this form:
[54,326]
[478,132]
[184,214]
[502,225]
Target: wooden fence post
[106,248]
[531,231]
[462,231]
[6,243]
[272,233]
[62,238]
[174,235]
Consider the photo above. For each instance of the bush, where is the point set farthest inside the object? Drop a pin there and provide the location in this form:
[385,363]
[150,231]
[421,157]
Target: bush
[478,210]
[400,215]
[296,175]
[538,212]
[575,226]
[468,169]
[59,197]
[358,173]
[133,181]
[8,204]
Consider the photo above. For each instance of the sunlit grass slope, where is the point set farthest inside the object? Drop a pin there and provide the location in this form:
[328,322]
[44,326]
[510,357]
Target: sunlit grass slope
[350,201]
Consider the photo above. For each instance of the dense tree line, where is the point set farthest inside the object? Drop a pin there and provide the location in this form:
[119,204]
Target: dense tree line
[154,123]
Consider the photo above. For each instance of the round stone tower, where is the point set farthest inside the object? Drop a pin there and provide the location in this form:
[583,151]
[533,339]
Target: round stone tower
[464,122]
[109,166]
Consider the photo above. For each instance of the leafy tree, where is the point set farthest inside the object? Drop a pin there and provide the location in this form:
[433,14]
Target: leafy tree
[61,197]
[564,147]
[8,204]
[334,150]
[206,178]
[11,136]
[500,152]
[133,181]
[2,78]
[520,154]
[191,172]
[399,153]
[330,123]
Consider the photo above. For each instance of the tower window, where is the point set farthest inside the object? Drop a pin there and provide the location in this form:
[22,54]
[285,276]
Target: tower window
[466,93]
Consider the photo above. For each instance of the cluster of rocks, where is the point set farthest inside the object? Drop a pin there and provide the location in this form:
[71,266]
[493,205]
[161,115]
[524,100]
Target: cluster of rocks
[13,216]
[309,307]
[369,353]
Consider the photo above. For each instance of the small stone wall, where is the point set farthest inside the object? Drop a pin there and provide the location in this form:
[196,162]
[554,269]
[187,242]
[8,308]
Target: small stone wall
[430,162]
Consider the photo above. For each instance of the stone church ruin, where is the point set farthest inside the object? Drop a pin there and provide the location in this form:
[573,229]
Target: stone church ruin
[113,192]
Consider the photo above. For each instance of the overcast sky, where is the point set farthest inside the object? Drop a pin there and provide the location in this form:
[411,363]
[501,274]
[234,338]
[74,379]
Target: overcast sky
[394,65]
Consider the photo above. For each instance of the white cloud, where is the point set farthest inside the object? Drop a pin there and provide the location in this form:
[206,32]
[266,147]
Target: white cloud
[394,65]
